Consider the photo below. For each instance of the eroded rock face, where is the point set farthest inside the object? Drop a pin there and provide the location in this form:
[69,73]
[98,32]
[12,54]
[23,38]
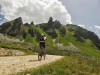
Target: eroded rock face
[13,28]
[10,52]
[50,27]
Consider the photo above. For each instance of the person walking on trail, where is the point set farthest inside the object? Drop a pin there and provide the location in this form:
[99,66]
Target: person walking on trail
[42,41]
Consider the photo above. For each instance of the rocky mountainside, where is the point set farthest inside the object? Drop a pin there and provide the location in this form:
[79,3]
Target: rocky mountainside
[13,28]
[51,26]
[81,34]
[54,30]
[70,41]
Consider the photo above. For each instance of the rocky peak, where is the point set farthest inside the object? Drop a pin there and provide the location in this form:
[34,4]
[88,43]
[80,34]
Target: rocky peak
[50,22]
[53,24]
[13,28]
[32,23]
[57,24]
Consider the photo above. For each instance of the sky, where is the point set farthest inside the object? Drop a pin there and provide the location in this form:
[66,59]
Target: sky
[84,13]
[38,11]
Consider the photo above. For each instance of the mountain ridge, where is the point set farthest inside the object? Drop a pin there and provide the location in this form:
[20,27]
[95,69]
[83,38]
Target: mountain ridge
[16,28]
[12,28]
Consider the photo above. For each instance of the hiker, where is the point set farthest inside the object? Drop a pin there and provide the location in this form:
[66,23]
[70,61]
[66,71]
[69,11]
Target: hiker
[42,41]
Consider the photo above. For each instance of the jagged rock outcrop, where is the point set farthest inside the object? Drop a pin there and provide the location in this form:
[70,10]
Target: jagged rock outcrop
[50,27]
[56,24]
[32,23]
[13,28]
[50,22]
[53,24]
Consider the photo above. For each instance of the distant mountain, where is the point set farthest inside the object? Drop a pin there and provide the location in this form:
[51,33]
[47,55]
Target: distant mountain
[13,28]
[52,29]
[70,41]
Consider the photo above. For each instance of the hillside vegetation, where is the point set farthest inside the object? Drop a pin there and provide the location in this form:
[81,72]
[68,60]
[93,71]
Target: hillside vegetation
[80,47]
[68,65]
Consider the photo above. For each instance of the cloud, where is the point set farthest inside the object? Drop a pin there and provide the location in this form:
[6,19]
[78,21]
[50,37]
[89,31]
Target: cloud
[96,26]
[1,23]
[81,25]
[38,11]
[0,18]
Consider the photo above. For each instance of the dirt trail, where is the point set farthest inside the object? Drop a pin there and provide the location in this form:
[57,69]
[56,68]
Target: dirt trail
[14,64]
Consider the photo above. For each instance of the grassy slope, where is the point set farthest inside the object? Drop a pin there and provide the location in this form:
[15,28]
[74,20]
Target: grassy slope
[87,47]
[30,39]
[69,65]
[49,39]
[72,64]
[15,47]
[61,39]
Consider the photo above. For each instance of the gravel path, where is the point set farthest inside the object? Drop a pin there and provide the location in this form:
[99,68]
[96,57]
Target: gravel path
[14,64]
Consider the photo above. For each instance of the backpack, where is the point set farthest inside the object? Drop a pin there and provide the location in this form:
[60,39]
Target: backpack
[42,38]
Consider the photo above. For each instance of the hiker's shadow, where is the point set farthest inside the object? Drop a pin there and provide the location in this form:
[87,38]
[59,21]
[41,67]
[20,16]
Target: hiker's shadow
[33,60]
